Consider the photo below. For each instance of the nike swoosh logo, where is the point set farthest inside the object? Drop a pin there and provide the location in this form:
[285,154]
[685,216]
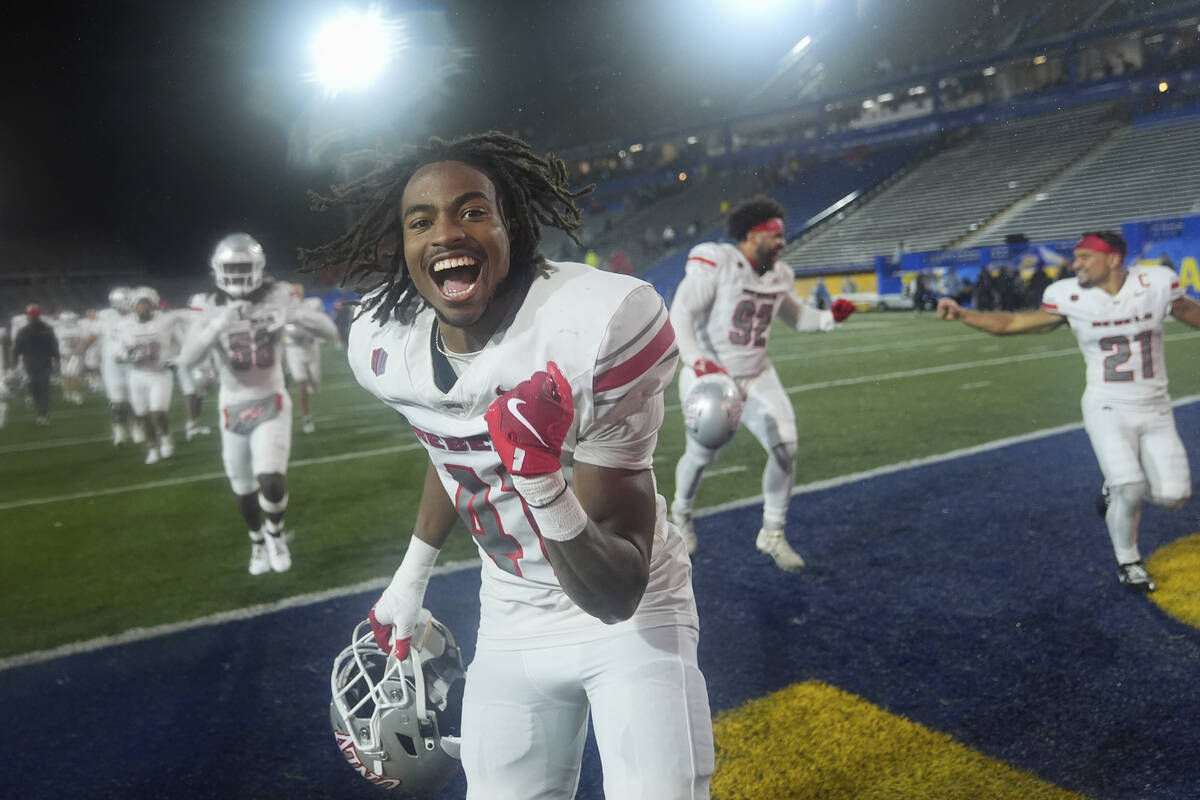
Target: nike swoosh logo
[514,404]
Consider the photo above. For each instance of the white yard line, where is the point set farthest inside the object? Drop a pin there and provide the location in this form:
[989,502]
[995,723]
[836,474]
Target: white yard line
[140,634]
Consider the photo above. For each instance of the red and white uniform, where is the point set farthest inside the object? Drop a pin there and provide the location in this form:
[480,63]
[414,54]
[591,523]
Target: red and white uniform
[723,310]
[71,336]
[147,347]
[1126,408]
[115,374]
[533,641]
[255,409]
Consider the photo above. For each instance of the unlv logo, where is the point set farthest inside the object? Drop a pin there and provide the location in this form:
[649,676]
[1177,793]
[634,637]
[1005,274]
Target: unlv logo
[250,414]
[378,360]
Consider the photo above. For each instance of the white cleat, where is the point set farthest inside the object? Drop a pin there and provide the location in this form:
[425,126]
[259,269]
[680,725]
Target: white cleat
[773,544]
[277,552]
[683,522]
[136,434]
[259,562]
[120,435]
[195,429]
[166,446]
[152,456]
[308,426]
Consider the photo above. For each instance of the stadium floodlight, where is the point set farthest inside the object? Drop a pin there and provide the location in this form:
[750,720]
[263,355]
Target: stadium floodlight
[352,49]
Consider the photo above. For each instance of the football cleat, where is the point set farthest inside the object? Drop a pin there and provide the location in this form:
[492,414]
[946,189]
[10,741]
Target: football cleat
[1102,501]
[136,434]
[277,552]
[683,522]
[152,456]
[308,426]
[259,563]
[1133,576]
[773,544]
[166,446]
[195,429]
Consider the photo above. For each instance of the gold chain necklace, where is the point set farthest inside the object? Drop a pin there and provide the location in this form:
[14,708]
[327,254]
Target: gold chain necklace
[440,344]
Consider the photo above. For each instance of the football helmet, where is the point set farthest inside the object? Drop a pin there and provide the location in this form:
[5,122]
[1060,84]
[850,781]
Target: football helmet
[68,317]
[712,410]
[397,722]
[143,293]
[118,298]
[237,264]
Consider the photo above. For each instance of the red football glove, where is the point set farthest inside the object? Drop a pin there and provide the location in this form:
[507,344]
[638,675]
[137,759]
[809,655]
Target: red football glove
[529,423]
[383,637]
[705,367]
[842,308]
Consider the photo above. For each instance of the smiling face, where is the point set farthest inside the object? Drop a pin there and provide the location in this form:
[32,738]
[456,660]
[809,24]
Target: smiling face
[1094,268]
[456,248]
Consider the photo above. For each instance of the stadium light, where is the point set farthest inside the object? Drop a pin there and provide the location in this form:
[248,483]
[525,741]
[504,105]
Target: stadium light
[352,50]
[1163,86]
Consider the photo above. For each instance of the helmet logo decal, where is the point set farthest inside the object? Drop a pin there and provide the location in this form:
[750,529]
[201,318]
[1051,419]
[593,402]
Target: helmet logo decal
[350,753]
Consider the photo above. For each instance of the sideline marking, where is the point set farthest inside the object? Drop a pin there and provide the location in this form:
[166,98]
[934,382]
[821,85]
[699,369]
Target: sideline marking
[206,476]
[140,634]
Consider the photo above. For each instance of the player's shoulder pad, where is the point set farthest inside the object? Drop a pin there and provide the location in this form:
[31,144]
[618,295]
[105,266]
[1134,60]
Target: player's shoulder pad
[1059,293]
[706,254]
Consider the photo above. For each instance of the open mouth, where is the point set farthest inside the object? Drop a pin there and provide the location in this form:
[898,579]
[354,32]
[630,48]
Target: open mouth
[456,276]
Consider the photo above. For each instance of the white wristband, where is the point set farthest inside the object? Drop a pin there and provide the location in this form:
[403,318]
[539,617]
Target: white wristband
[553,506]
[401,600]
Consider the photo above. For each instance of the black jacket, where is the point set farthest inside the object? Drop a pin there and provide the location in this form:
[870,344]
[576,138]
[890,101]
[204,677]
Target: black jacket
[37,346]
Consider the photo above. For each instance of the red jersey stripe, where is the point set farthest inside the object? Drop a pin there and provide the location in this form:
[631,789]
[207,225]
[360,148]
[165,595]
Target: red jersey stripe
[1050,306]
[702,260]
[634,367]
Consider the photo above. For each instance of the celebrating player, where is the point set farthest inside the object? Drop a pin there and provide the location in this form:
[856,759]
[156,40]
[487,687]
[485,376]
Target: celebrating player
[722,312]
[1117,315]
[114,372]
[241,322]
[147,343]
[481,344]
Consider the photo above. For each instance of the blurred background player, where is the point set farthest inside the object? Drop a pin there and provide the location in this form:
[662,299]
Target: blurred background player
[5,347]
[72,342]
[1117,316]
[147,343]
[722,313]
[242,324]
[193,382]
[36,349]
[114,372]
[91,351]
[302,355]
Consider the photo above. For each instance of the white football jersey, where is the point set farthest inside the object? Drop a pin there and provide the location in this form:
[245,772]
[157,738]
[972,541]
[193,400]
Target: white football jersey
[148,345]
[71,336]
[1121,336]
[108,325]
[617,356]
[740,305]
[249,353]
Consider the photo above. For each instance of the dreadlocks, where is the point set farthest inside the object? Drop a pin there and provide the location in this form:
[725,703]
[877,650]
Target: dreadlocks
[532,191]
[746,215]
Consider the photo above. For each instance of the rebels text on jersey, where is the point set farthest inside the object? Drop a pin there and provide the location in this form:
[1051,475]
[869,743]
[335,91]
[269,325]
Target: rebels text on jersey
[249,350]
[741,302]
[1121,336]
[611,338]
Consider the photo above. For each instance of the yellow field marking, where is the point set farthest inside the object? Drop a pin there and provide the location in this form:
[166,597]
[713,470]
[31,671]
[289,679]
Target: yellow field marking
[817,742]
[1175,568]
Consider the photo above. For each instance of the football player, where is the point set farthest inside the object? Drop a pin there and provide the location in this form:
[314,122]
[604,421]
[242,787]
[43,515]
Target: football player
[193,382]
[146,341]
[480,343]
[114,372]
[722,312]
[302,355]
[1117,315]
[241,324]
[72,341]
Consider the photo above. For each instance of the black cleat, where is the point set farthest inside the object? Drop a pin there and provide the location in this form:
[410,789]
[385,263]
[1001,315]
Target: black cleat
[1134,577]
[1102,501]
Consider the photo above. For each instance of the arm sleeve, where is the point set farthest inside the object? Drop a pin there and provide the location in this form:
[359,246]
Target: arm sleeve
[199,341]
[803,317]
[689,308]
[317,323]
[619,426]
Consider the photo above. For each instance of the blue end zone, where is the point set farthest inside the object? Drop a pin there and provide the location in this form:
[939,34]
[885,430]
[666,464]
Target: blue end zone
[977,597]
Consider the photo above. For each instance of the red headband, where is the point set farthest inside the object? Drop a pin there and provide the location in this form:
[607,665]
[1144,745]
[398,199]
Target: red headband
[773,225]
[1091,242]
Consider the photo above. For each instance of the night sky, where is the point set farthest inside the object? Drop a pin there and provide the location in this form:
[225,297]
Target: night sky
[160,126]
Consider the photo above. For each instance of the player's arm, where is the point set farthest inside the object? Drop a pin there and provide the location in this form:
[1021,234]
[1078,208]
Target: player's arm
[1186,310]
[1000,323]
[692,303]
[395,613]
[805,319]
[203,335]
[315,322]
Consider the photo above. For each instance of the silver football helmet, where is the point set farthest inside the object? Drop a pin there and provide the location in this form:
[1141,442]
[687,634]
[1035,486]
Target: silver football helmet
[237,264]
[118,298]
[712,410]
[143,293]
[398,722]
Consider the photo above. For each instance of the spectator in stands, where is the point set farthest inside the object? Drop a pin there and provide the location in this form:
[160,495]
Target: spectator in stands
[36,347]
[668,237]
[591,258]
[343,315]
[985,290]
[1038,282]
[693,229]
[619,262]
[1127,411]
[848,285]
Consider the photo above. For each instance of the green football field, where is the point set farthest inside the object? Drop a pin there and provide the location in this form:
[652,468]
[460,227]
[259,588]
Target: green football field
[96,543]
